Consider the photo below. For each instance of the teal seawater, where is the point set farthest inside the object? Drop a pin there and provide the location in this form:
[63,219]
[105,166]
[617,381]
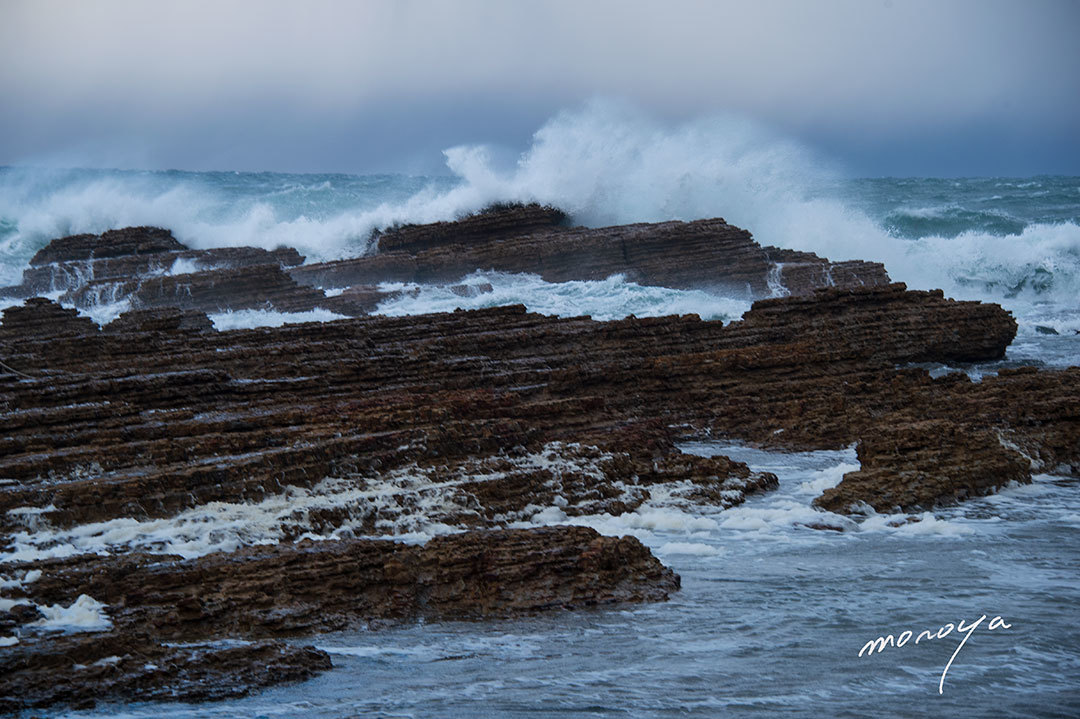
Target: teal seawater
[984,237]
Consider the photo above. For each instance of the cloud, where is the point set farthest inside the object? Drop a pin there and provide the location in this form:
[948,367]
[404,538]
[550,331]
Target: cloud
[176,74]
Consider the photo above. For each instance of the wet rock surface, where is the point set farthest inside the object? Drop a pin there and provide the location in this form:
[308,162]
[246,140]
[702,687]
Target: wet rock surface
[299,588]
[109,267]
[170,617]
[122,445]
[81,671]
[705,254]
[114,243]
[165,417]
[150,268]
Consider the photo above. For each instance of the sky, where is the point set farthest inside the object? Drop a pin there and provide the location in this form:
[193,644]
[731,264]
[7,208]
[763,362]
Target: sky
[883,87]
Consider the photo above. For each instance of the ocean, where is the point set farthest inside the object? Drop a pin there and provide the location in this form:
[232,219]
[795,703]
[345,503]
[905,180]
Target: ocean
[772,614]
[1015,241]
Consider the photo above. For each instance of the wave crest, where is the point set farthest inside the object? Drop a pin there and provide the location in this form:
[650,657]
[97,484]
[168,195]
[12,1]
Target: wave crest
[605,164]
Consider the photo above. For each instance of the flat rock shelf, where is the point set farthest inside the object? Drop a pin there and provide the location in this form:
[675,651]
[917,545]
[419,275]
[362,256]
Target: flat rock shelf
[176,502]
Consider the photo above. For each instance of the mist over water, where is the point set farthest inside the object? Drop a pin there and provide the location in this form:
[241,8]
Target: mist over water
[998,239]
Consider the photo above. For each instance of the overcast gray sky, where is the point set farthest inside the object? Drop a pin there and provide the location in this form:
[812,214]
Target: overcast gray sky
[957,87]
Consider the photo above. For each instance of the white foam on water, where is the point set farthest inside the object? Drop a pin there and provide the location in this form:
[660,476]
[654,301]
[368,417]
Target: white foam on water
[85,614]
[422,652]
[610,164]
[28,577]
[105,312]
[668,511]
[823,479]
[250,319]
[410,504]
[1041,485]
[185,266]
[608,299]
[22,513]
[46,204]
[605,163]
[8,641]
[25,547]
[922,524]
[405,501]
[788,515]
[107,661]
[503,645]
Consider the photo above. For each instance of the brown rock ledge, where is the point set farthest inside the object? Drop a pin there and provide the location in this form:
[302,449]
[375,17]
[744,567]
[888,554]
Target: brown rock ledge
[704,254]
[95,267]
[151,268]
[81,670]
[500,411]
[146,424]
[289,590]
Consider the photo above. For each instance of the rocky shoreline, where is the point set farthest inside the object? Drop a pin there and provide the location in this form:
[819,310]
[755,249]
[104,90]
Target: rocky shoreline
[313,438]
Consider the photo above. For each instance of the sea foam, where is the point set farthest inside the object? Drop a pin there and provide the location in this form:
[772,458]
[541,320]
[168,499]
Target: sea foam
[605,163]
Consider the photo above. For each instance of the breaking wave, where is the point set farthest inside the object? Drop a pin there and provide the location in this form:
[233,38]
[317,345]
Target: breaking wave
[605,164]
[609,299]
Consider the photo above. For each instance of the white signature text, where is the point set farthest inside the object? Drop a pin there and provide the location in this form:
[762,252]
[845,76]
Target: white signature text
[903,638]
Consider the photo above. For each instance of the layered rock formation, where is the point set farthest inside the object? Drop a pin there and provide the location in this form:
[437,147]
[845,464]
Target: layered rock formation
[79,671]
[260,286]
[953,439]
[287,590]
[128,242]
[159,416]
[107,267]
[706,254]
[466,422]
[150,268]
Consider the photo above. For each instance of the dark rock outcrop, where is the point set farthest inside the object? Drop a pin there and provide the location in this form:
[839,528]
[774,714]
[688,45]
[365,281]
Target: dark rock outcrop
[288,590]
[919,465]
[883,323]
[42,320]
[153,269]
[155,422]
[295,589]
[241,288]
[109,267]
[80,671]
[495,222]
[708,254]
[114,243]
[168,320]
[478,420]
